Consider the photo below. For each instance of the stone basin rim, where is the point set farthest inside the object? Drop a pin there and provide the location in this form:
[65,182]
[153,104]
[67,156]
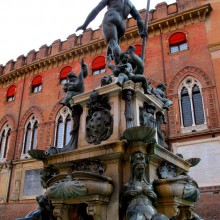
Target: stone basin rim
[77,175]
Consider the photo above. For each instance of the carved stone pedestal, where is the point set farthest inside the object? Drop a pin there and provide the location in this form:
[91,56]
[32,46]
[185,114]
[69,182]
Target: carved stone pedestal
[175,207]
[67,209]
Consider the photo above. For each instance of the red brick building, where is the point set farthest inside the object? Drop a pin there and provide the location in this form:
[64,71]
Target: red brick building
[183,50]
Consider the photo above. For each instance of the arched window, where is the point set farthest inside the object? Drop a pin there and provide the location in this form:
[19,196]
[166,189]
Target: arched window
[191,105]
[30,134]
[63,74]
[4,140]
[11,93]
[63,128]
[36,85]
[138,50]
[177,42]
[98,65]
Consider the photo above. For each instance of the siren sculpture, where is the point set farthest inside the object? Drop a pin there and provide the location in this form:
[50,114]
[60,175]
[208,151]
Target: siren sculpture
[138,194]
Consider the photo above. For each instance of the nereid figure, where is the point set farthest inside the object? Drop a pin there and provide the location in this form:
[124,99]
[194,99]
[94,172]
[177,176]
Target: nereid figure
[139,194]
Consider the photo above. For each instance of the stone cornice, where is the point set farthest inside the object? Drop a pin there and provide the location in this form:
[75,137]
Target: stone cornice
[214,47]
[194,15]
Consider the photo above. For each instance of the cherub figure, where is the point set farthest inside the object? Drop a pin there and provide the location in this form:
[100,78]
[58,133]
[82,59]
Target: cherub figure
[130,67]
[75,86]
[123,70]
[159,92]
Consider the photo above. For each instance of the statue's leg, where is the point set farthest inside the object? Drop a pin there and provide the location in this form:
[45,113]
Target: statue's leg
[137,216]
[122,78]
[67,98]
[167,103]
[159,217]
[143,80]
[113,29]
[114,51]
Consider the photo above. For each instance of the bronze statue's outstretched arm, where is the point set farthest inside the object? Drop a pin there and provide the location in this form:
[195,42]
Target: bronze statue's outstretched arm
[136,15]
[84,69]
[93,14]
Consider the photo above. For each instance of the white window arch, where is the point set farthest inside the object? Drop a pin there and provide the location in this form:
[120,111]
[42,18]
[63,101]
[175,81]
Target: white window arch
[4,140]
[191,105]
[63,127]
[30,134]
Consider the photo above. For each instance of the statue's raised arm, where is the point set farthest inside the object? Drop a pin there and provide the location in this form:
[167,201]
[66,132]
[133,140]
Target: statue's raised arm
[84,69]
[136,15]
[92,15]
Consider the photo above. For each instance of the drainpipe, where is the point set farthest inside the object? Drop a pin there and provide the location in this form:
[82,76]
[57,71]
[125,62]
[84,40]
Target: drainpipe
[164,78]
[16,140]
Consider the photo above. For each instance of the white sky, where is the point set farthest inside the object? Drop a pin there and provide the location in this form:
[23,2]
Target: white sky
[28,24]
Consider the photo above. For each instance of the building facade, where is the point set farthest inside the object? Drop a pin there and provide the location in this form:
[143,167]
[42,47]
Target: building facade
[183,50]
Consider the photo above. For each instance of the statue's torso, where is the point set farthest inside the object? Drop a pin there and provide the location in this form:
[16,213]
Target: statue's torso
[122,7]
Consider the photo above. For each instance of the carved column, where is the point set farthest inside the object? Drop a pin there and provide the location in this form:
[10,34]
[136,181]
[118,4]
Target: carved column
[128,95]
[185,213]
[68,209]
[128,92]
[97,211]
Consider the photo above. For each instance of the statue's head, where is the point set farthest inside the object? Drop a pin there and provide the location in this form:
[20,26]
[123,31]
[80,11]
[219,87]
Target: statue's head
[131,49]
[162,86]
[106,80]
[71,75]
[124,57]
[150,107]
[138,164]
[160,117]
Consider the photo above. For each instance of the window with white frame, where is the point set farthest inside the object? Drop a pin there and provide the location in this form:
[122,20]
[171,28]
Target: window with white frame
[177,42]
[36,85]
[4,140]
[64,73]
[11,94]
[98,65]
[32,183]
[30,134]
[191,105]
[63,128]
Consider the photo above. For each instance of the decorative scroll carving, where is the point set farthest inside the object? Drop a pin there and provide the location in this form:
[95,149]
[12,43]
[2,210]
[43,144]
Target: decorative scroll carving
[5,165]
[89,166]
